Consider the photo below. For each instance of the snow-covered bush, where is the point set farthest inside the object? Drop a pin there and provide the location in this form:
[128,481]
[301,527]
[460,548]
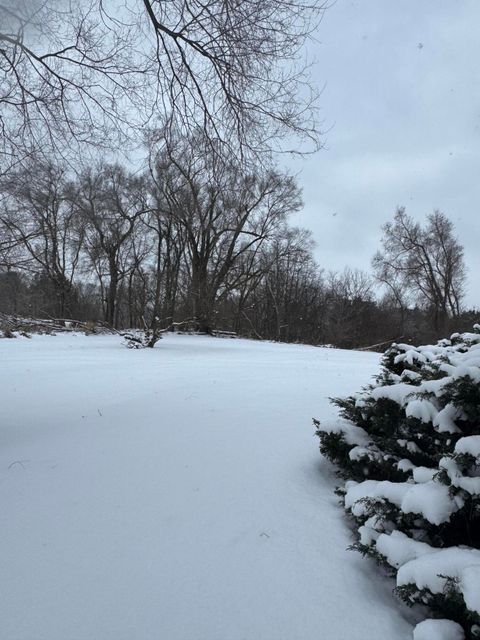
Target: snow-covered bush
[409,449]
[138,339]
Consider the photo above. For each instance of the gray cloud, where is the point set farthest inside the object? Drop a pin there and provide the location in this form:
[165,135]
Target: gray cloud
[403,100]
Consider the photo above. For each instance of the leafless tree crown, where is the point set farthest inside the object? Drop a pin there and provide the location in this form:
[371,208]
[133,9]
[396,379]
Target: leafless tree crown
[84,71]
[423,264]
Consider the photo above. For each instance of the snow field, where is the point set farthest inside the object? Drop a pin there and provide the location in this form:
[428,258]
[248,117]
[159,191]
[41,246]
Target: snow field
[178,494]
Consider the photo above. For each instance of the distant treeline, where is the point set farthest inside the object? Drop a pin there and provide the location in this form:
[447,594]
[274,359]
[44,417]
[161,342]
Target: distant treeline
[196,237]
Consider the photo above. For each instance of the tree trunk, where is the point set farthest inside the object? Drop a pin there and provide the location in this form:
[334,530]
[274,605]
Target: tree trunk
[202,298]
[112,292]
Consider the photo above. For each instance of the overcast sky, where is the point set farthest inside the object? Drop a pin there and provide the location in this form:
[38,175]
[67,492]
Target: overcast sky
[403,99]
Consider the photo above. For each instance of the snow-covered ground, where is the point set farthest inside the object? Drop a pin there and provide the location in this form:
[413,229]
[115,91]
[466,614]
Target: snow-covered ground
[178,494]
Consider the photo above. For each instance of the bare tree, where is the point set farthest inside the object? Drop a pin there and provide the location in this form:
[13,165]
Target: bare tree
[39,219]
[75,71]
[233,68]
[223,211]
[348,307]
[111,203]
[135,265]
[169,243]
[425,261]
[65,76]
[287,274]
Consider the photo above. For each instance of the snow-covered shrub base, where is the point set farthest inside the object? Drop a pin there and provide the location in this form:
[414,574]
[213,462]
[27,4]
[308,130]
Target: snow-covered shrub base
[409,448]
[438,630]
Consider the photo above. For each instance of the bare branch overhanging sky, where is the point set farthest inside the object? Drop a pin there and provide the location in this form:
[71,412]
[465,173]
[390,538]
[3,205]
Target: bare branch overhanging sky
[403,99]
